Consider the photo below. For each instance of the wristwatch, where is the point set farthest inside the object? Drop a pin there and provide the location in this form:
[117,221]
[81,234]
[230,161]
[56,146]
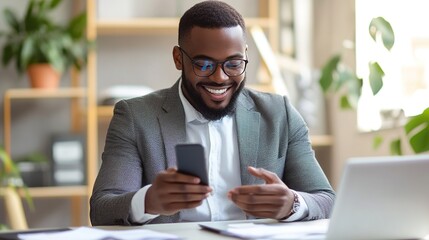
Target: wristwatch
[295,205]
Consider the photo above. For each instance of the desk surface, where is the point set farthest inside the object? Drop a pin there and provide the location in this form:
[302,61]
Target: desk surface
[186,231]
[190,230]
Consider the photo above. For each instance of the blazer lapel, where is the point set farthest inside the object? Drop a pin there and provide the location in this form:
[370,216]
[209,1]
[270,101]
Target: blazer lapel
[248,137]
[172,123]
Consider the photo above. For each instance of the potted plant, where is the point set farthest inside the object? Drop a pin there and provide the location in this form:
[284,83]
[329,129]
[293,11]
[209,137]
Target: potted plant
[10,182]
[38,45]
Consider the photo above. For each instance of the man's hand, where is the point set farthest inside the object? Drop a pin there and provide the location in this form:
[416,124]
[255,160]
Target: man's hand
[271,200]
[173,191]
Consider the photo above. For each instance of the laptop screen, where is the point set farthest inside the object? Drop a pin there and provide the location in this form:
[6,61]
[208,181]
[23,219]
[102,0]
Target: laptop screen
[382,197]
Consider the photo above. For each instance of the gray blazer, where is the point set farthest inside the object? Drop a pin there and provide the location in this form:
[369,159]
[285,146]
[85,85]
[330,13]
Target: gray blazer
[143,132]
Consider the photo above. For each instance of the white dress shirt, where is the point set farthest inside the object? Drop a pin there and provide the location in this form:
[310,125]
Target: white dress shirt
[219,139]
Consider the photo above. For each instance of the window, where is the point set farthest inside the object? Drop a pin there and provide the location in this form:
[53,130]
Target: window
[406,83]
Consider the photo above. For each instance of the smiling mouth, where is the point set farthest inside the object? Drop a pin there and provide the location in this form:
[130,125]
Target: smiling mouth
[216,91]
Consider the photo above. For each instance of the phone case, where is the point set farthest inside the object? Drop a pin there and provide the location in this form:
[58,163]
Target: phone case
[191,160]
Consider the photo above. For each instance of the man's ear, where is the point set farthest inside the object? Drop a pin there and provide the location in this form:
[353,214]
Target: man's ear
[177,57]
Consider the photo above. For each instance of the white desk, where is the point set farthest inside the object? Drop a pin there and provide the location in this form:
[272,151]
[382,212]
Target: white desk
[186,231]
[191,230]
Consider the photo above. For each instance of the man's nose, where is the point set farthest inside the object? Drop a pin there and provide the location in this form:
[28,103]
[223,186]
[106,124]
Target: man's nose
[219,75]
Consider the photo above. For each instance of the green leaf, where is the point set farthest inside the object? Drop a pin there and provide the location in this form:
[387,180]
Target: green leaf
[10,176]
[20,67]
[29,18]
[43,6]
[18,64]
[9,169]
[54,55]
[376,75]
[380,26]
[27,51]
[417,129]
[6,162]
[345,76]
[344,102]
[417,121]
[328,71]
[12,20]
[377,141]
[354,86]
[54,3]
[8,54]
[395,147]
[77,26]
[420,141]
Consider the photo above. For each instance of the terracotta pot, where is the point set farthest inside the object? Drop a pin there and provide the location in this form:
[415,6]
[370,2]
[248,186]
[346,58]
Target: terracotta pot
[43,75]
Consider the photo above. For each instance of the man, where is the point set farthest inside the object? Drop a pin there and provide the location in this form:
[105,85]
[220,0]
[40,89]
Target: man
[260,160]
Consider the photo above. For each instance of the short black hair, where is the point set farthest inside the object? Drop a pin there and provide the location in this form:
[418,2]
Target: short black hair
[209,14]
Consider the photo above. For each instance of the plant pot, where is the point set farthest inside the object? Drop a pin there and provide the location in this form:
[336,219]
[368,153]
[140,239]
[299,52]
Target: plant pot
[43,75]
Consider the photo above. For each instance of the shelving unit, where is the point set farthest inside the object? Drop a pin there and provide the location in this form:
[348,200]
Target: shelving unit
[156,25]
[75,94]
[10,94]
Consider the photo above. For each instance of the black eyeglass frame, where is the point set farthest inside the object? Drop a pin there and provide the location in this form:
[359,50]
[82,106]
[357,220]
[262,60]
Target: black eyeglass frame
[222,64]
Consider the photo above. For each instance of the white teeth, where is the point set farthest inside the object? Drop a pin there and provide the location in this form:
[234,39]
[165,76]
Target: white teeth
[216,91]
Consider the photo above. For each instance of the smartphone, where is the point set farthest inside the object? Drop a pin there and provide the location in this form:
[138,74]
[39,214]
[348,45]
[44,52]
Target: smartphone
[191,160]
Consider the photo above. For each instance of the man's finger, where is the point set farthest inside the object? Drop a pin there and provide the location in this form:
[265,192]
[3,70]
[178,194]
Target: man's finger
[270,189]
[188,188]
[267,176]
[172,176]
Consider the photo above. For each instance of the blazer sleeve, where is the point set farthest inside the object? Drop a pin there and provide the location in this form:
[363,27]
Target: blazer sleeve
[120,174]
[302,171]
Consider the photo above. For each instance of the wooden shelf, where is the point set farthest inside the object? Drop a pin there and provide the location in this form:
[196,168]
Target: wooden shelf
[42,93]
[74,193]
[136,25]
[56,191]
[105,111]
[31,93]
[157,25]
[321,140]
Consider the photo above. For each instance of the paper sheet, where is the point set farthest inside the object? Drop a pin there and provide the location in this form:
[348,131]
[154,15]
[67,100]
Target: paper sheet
[301,230]
[98,234]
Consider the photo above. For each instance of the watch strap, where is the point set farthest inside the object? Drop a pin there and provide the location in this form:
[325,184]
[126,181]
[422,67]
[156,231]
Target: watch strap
[295,204]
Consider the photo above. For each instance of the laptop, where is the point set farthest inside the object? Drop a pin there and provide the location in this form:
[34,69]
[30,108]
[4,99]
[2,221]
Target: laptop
[378,198]
[382,198]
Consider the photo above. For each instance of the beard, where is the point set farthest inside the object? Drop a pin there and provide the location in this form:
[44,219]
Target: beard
[207,112]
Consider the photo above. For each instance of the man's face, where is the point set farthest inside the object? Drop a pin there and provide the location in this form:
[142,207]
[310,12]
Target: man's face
[213,96]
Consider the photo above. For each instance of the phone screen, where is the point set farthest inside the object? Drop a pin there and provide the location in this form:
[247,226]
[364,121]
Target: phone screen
[191,160]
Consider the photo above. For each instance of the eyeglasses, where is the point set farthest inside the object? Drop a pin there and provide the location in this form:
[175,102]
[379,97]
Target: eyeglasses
[206,67]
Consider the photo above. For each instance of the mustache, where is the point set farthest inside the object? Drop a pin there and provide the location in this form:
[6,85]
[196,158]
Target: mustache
[224,84]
